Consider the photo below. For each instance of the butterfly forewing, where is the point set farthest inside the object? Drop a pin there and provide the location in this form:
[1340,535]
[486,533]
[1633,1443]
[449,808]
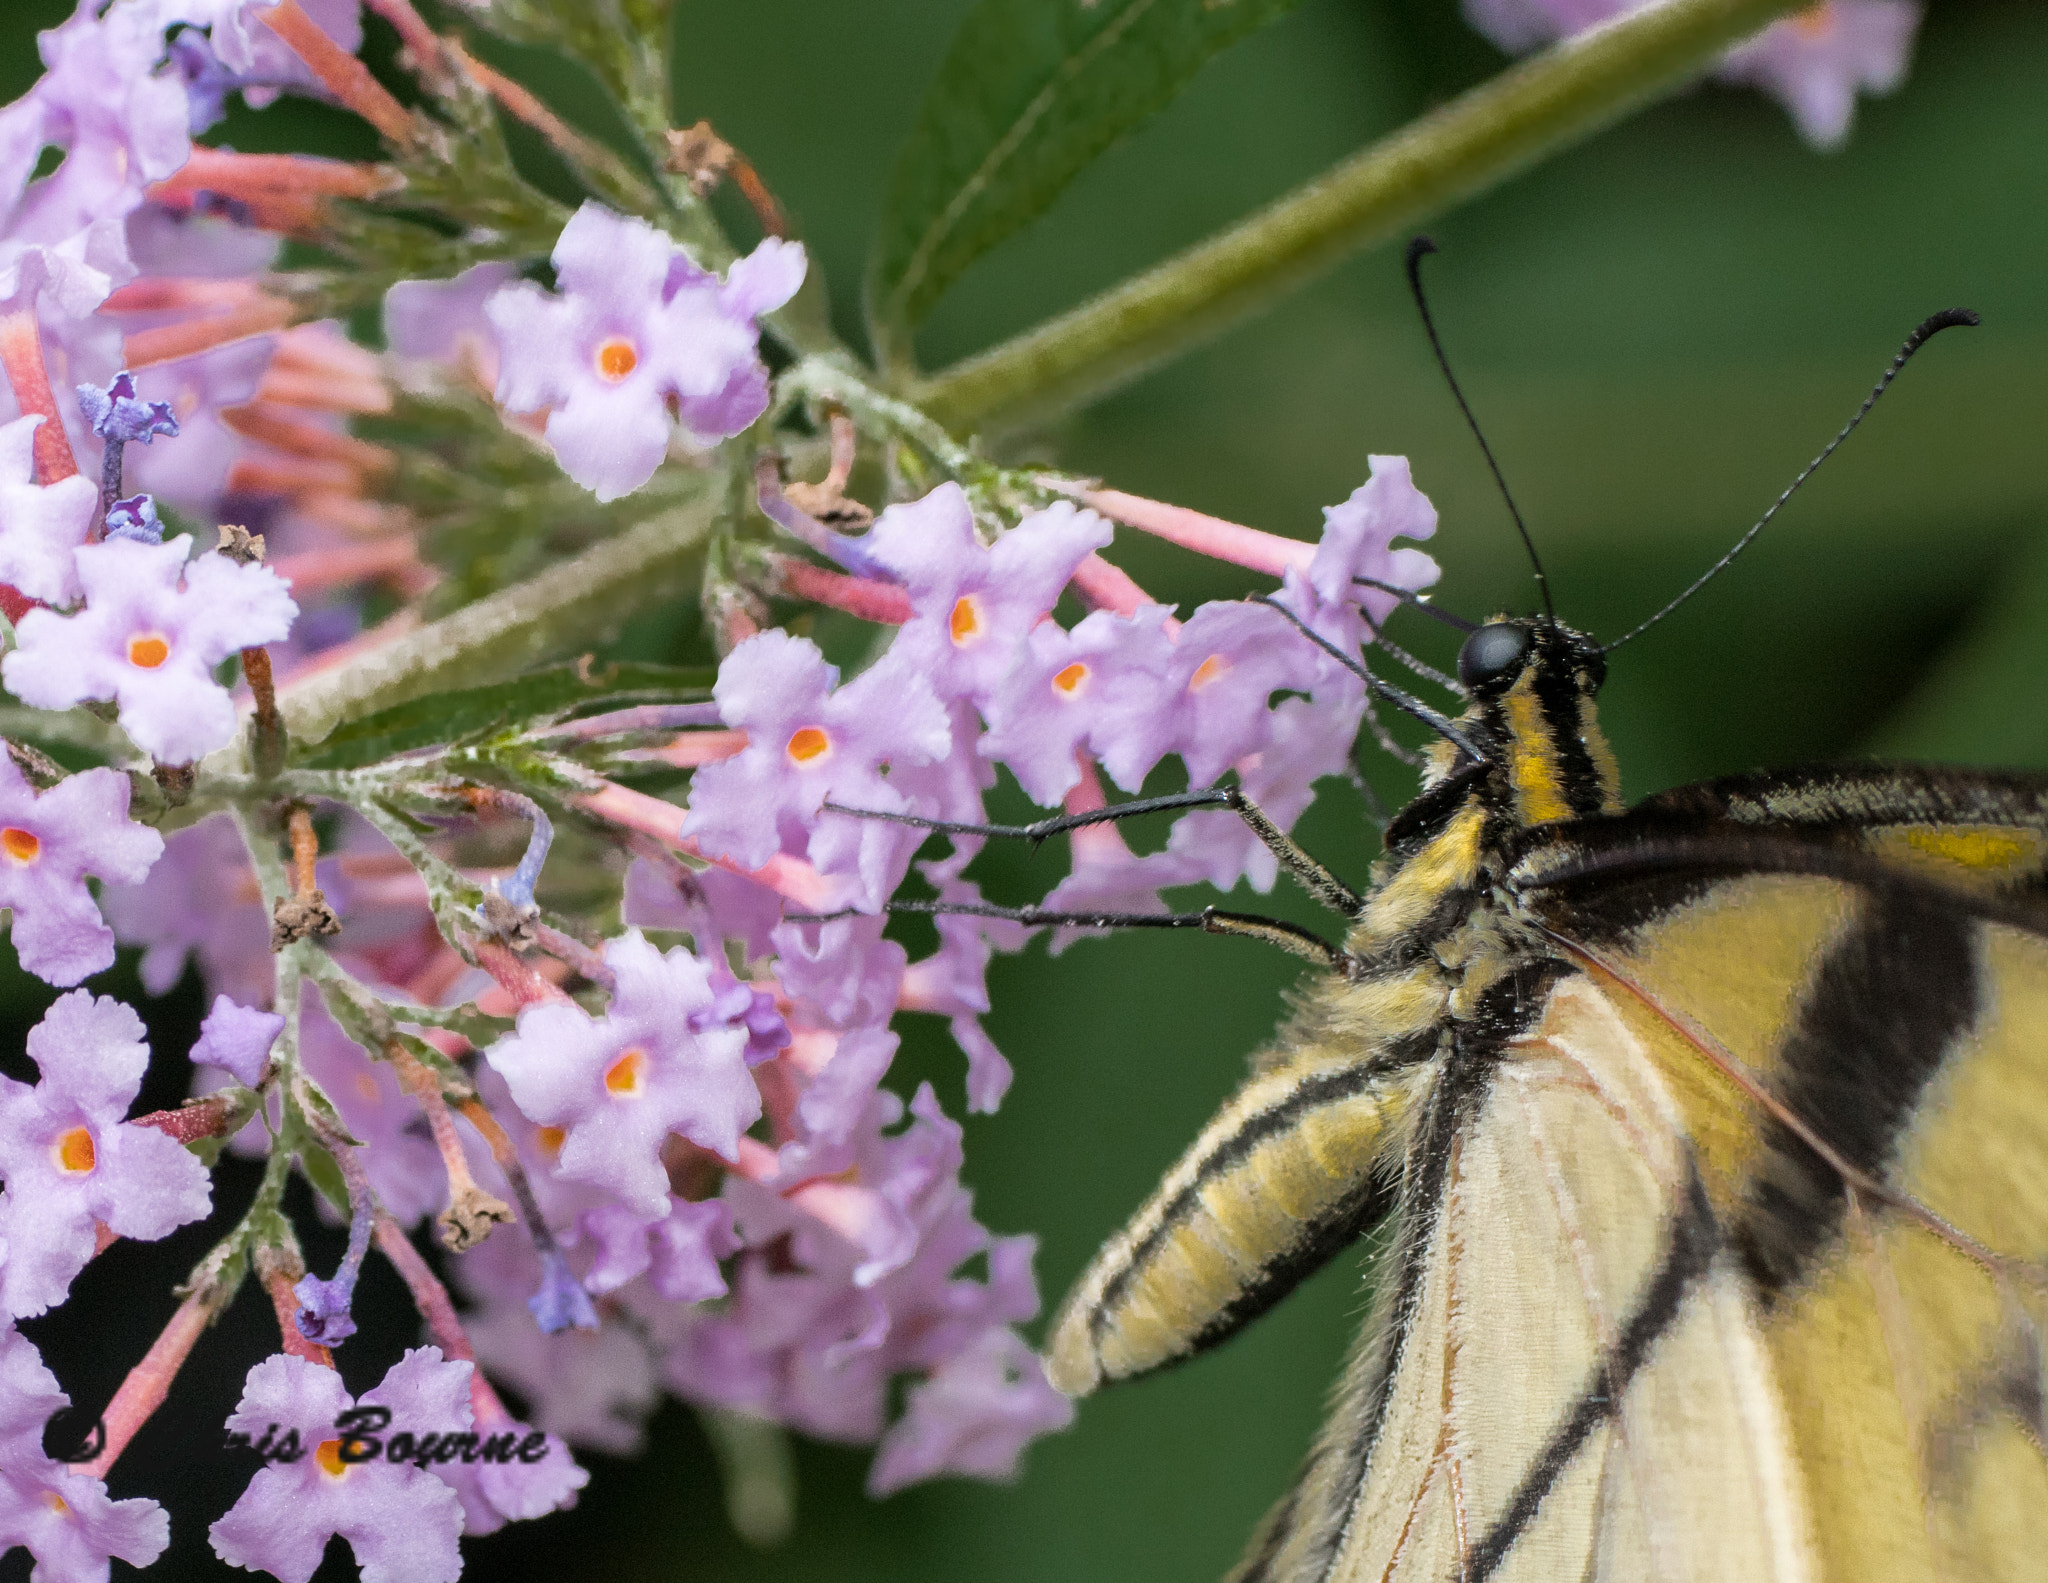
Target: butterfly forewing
[1898,1021]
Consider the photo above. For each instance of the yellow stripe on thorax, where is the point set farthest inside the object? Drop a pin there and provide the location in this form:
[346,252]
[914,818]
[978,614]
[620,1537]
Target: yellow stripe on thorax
[1533,768]
[1449,861]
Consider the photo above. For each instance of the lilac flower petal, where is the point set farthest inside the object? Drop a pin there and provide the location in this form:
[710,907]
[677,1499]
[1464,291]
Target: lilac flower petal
[69,1162]
[561,1301]
[118,415]
[149,639]
[617,1086]
[49,843]
[973,1416]
[134,519]
[237,1039]
[41,525]
[201,900]
[400,1520]
[635,328]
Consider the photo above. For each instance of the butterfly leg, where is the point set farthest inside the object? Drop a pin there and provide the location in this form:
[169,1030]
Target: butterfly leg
[1289,937]
[1311,875]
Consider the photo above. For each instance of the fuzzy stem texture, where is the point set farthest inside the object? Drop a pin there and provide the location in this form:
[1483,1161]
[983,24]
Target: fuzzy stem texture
[1479,139]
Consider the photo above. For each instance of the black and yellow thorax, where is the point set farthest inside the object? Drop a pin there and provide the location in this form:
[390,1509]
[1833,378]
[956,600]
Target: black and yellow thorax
[1531,754]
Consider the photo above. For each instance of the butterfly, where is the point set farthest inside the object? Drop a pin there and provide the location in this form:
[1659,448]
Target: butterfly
[1708,1144]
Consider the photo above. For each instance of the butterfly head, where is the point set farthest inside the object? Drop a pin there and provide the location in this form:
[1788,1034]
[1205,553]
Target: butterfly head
[1531,682]
[1497,655]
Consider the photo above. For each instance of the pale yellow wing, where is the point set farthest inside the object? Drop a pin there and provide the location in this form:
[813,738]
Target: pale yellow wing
[1567,1380]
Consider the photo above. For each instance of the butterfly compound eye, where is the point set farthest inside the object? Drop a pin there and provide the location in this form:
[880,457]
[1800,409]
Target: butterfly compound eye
[1493,655]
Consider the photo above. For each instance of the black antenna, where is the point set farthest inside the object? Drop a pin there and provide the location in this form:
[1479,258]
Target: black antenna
[1408,596]
[1947,319]
[1418,249]
[1407,703]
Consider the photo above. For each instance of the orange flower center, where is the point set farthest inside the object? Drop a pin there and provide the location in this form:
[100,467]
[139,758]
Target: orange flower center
[20,845]
[550,1140]
[56,1503]
[148,650]
[616,359]
[1068,682]
[807,743]
[623,1076]
[1815,22]
[328,1455]
[75,1152]
[965,622]
[1206,672]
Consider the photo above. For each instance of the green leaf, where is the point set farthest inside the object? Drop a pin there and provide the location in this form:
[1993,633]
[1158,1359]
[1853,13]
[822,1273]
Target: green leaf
[543,695]
[325,1175]
[1029,94]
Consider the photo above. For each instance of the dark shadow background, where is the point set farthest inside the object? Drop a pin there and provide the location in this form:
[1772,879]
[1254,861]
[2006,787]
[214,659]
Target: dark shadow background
[1658,329]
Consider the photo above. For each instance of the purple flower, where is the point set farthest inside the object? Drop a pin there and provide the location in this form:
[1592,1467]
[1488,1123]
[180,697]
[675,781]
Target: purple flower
[121,127]
[119,415]
[61,1515]
[150,642]
[1815,62]
[618,1085]
[69,1162]
[560,1303]
[258,61]
[324,1314]
[1358,540]
[41,525]
[841,973]
[808,741]
[1229,660]
[399,1519]
[1812,63]
[442,321]
[636,325]
[494,1492]
[835,1102]
[49,842]
[192,475]
[747,1006]
[1096,689]
[134,519]
[972,1416]
[846,1281]
[678,1253]
[237,1039]
[707,904]
[974,604]
[1108,877]
[200,900]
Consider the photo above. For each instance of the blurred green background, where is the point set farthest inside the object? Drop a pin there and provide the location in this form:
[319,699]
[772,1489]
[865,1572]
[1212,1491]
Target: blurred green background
[1658,330]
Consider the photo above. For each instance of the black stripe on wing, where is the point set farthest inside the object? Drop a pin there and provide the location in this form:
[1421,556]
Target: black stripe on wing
[1506,1011]
[1689,1251]
[1881,1012]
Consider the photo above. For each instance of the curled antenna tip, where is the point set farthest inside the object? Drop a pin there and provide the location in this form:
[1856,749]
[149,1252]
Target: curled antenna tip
[1935,323]
[1419,248]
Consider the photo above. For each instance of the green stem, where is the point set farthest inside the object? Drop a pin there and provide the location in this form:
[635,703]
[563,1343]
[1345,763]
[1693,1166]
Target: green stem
[577,602]
[1527,112]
